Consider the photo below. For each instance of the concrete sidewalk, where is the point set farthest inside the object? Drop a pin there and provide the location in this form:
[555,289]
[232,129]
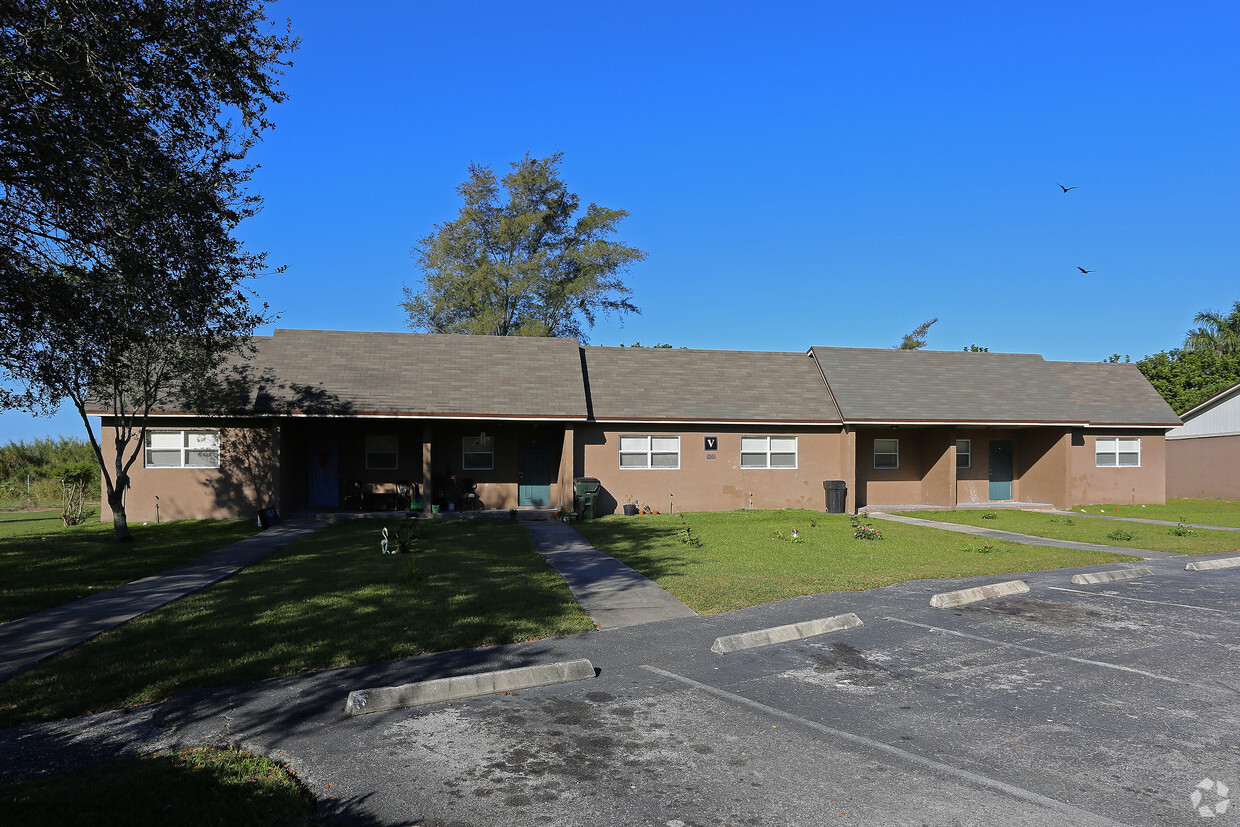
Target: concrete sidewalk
[1142,520]
[1026,539]
[612,594]
[34,638]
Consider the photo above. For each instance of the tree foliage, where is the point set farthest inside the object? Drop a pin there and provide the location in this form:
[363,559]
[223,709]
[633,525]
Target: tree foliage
[1219,332]
[519,261]
[123,128]
[1208,364]
[917,338]
[1186,378]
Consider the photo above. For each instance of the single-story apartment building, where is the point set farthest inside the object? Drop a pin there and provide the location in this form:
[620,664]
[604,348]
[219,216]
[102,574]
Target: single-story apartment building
[1203,454]
[334,420]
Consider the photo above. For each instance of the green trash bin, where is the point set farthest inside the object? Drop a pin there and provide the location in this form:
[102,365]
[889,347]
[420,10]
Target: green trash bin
[585,492]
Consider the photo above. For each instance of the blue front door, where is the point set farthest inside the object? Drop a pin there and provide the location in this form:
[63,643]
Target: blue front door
[323,472]
[1001,469]
[534,484]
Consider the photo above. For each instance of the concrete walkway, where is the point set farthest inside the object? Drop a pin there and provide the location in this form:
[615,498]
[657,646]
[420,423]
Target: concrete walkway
[1027,539]
[34,638]
[1171,523]
[612,594]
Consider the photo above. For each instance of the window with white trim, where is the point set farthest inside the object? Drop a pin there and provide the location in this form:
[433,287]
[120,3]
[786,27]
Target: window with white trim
[886,453]
[1117,452]
[641,451]
[182,449]
[964,453]
[478,453]
[382,453]
[768,452]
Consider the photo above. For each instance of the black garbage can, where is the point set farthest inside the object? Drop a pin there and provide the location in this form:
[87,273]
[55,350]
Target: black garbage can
[585,491]
[837,493]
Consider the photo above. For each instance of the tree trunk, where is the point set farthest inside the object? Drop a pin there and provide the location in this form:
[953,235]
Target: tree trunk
[120,524]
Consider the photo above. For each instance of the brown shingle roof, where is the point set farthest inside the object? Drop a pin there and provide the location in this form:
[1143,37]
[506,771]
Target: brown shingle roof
[416,374]
[946,386]
[678,385]
[1114,394]
[951,386]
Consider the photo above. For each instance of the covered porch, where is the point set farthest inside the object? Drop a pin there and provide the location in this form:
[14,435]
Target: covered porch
[961,466]
[390,465]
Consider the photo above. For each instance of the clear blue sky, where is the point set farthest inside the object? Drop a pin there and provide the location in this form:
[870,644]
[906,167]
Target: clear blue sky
[801,174]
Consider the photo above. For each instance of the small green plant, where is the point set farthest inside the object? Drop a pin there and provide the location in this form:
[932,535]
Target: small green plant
[1121,535]
[862,530]
[1065,520]
[1182,530]
[987,548]
[686,535]
[793,537]
[991,515]
[406,533]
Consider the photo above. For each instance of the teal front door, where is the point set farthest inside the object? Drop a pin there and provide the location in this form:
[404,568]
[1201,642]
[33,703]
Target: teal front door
[1001,469]
[534,480]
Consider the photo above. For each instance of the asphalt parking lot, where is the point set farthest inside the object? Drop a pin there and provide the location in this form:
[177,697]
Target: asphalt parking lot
[1112,704]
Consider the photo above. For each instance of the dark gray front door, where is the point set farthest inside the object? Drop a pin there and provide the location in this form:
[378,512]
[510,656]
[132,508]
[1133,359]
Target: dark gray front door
[323,473]
[534,484]
[1001,469]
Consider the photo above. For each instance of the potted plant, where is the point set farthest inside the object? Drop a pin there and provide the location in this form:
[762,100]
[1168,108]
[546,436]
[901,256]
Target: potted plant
[630,505]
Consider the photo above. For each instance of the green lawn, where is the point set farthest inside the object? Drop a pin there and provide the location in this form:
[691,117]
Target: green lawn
[749,557]
[1085,530]
[1201,512]
[328,600]
[200,786]
[45,564]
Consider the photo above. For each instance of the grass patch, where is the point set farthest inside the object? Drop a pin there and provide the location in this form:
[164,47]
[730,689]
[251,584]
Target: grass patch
[201,786]
[44,563]
[743,561]
[1103,532]
[1202,512]
[328,600]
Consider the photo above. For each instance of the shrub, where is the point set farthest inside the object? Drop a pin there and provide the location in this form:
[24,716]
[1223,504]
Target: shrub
[1121,535]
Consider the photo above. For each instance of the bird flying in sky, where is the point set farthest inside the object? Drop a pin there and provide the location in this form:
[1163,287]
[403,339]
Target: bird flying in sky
[1083,270]
[1065,189]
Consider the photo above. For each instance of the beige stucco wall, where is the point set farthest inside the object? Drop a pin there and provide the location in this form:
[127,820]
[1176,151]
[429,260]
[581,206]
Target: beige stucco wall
[1041,465]
[246,481]
[714,480]
[1207,467]
[1147,484]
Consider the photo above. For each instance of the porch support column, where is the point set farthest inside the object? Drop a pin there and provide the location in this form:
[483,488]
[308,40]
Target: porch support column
[849,461]
[953,470]
[567,472]
[428,494]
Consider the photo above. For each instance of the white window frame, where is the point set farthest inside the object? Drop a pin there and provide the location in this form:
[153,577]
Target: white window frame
[374,449]
[184,448]
[474,449]
[760,457]
[895,453]
[636,450]
[1113,448]
[967,453]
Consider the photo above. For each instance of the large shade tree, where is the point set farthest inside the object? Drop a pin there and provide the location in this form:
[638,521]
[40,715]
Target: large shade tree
[123,133]
[519,260]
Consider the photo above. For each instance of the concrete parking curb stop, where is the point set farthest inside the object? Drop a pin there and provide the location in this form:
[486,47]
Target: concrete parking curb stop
[385,698]
[949,600]
[1094,578]
[1208,565]
[783,634]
